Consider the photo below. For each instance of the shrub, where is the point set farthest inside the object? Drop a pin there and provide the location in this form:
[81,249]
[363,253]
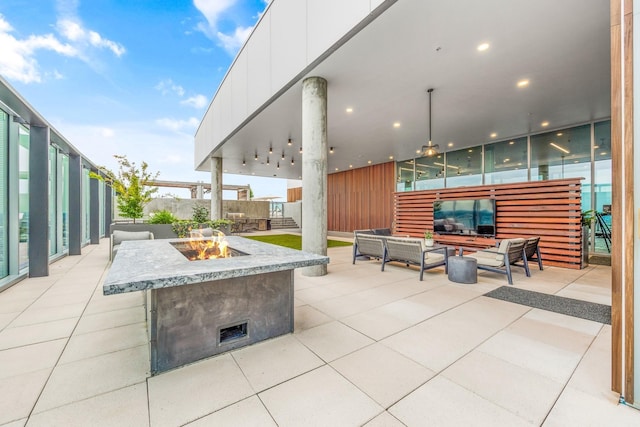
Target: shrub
[200,214]
[162,217]
[183,227]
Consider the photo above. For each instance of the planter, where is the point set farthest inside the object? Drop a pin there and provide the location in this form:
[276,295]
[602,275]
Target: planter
[428,242]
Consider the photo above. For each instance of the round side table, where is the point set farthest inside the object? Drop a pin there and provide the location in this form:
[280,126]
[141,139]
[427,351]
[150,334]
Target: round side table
[463,269]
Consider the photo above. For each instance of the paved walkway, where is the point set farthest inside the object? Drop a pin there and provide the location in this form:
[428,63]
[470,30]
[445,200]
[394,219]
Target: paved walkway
[370,348]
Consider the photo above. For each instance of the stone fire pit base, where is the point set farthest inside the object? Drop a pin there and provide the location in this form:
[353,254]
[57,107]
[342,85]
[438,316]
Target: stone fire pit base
[189,323]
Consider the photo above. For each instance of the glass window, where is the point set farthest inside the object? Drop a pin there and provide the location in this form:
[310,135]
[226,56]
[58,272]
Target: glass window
[405,175]
[429,172]
[564,154]
[23,197]
[555,154]
[464,167]
[506,162]
[4,210]
[53,192]
[602,185]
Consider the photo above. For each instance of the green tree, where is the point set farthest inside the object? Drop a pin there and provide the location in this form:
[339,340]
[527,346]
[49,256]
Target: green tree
[131,186]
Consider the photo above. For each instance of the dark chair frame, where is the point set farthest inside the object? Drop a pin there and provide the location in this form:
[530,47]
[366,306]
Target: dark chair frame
[532,251]
[514,253]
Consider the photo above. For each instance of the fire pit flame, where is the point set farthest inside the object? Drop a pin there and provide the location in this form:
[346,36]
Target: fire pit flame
[203,247]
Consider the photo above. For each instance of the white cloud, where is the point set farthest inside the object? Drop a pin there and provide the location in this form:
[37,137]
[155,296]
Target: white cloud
[213,10]
[71,28]
[177,125]
[232,43]
[18,57]
[167,86]
[196,101]
[107,132]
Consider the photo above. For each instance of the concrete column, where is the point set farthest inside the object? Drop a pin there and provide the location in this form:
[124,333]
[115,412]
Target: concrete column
[314,171]
[216,188]
[75,205]
[94,211]
[108,208]
[38,201]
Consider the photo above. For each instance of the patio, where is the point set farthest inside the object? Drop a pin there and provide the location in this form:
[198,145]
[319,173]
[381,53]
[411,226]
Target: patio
[370,348]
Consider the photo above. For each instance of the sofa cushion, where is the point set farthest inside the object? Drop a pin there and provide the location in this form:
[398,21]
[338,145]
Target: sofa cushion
[120,236]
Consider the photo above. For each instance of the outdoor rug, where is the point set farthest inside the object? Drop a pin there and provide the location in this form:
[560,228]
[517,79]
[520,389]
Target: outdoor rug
[571,307]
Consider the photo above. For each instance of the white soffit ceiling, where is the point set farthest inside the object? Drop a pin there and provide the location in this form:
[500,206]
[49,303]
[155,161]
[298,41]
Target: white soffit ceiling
[382,73]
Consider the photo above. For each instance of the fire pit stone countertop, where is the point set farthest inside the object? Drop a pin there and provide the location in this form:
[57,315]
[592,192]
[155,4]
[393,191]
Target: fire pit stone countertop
[154,264]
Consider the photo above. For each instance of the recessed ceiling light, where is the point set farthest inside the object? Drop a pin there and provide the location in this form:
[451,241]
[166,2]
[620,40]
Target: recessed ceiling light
[396,125]
[337,169]
[511,142]
[349,110]
[519,164]
[523,83]
[604,153]
[420,151]
[493,135]
[559,134]
[350,166]
[544,124]
[450,144]
[390,157]
[482,47]
[506,160]
[471,150]
[596,146]
[369,161]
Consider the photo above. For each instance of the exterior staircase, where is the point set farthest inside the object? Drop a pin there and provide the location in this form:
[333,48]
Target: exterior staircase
[287,222]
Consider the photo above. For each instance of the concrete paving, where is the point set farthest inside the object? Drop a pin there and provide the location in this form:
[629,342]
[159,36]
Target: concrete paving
[370,348]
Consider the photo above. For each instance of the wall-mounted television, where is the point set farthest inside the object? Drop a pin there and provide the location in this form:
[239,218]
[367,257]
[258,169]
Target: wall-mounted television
[475,217]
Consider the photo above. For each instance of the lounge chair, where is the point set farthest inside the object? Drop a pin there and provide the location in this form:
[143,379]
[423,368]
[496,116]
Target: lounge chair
[532,250]
[412,251]
[501,259]
[368,245]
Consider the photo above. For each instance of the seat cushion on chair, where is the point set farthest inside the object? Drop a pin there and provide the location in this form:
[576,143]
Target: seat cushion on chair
[487,260]
[433,258]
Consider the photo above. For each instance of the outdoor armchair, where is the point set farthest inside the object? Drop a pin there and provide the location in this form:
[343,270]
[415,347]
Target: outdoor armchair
[368,245]
[500,260]
[412,251]
[532,250]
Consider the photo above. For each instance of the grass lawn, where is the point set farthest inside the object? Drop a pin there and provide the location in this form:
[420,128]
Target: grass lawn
[292,241]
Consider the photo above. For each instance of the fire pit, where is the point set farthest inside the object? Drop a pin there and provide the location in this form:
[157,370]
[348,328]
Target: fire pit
[199,248]
[200,308]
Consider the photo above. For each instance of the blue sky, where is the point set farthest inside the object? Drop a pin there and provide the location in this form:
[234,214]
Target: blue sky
[128,77]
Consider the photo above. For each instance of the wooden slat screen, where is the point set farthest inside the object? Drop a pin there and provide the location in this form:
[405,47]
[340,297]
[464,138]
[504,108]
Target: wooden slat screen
[294,194]
[549,209]
[361,198]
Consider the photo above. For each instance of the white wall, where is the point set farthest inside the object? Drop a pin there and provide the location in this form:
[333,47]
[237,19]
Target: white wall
[290,35]
[293,210]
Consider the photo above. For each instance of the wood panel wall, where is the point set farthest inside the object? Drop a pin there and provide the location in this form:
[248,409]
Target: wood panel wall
[623,170]
[294,194]
[549,209]
[361,198]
